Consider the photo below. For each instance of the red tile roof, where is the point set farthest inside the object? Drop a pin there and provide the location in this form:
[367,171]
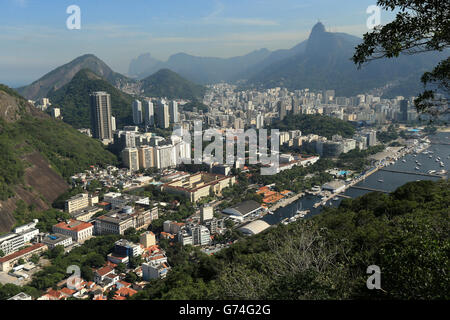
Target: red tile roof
[67,291]
[126,292]
[104,271]
[74,225]
[21,252]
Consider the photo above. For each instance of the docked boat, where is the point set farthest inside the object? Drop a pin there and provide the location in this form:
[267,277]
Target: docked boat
[335,199]
[417,168]
[380,180]
[404,160]
[431,171]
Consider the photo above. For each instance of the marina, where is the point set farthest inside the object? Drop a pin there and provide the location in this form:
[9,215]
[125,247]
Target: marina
[386,177]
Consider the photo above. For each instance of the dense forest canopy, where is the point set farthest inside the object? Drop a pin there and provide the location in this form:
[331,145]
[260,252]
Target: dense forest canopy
[405,233]
[317,124]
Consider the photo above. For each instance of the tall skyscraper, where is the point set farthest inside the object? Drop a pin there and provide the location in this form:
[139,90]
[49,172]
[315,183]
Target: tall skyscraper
[137,112]
[173,111]
[162,114]
[282,110]
[149,113]
[404,110]
[101,115]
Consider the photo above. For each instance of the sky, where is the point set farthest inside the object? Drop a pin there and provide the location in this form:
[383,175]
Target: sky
[34,38]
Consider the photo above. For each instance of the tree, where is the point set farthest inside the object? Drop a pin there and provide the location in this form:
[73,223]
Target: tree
[34,258]
[121,268]
[2,254]
[420,26]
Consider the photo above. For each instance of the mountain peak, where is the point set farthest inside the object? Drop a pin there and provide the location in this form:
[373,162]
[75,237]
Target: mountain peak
[318,28]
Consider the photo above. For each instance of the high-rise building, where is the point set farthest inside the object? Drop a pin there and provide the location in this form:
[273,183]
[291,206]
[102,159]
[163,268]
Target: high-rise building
[371,136]
[113,123]
[130,157]
[206,213]
[137,112]
[165,156]
[162,114]
[173,112]
[259,121]
[201,235]
[282,110]
[101,115]
[329,96]
[146,157]
[149,113]
[404,110]
[239,123]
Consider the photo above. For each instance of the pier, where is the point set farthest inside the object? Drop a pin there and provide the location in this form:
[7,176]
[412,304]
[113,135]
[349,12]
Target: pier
[413,173]
[286,201]
[369,189]
[343,196]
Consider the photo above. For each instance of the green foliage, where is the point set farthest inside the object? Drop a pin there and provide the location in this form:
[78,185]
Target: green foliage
[195,104]
[295,179]
[316,124]
[387,136]
[25,214]
[67,150]
[11,168]
[357,159]
[9,290]
[406,233]
[419,26]
[73,100]
[90,255]
[166,83]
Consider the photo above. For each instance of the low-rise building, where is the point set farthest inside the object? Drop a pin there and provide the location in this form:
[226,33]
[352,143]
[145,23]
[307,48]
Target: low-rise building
[199,185]
[11,242]
[154,270]
[7,262]
[79,231]
[53,240]
[243,209]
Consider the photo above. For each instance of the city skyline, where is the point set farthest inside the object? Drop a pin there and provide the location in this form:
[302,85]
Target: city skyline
[204,28]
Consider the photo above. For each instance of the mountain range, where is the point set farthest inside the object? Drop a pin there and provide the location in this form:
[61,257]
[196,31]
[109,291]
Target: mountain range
[323,61]
[164,83]
[320,62]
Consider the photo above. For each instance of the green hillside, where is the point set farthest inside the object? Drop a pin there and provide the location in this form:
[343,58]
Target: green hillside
[166,83]
[405,233]
[73,99]
[66,150]
[315,124]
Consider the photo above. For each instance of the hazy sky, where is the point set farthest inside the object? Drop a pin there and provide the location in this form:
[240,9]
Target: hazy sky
[34,38]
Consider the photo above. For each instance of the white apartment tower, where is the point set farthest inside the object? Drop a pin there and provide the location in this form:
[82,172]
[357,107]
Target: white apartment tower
[130,157]
[137,112]
[101,115]
[173,112]
[162,114]
[149,113]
